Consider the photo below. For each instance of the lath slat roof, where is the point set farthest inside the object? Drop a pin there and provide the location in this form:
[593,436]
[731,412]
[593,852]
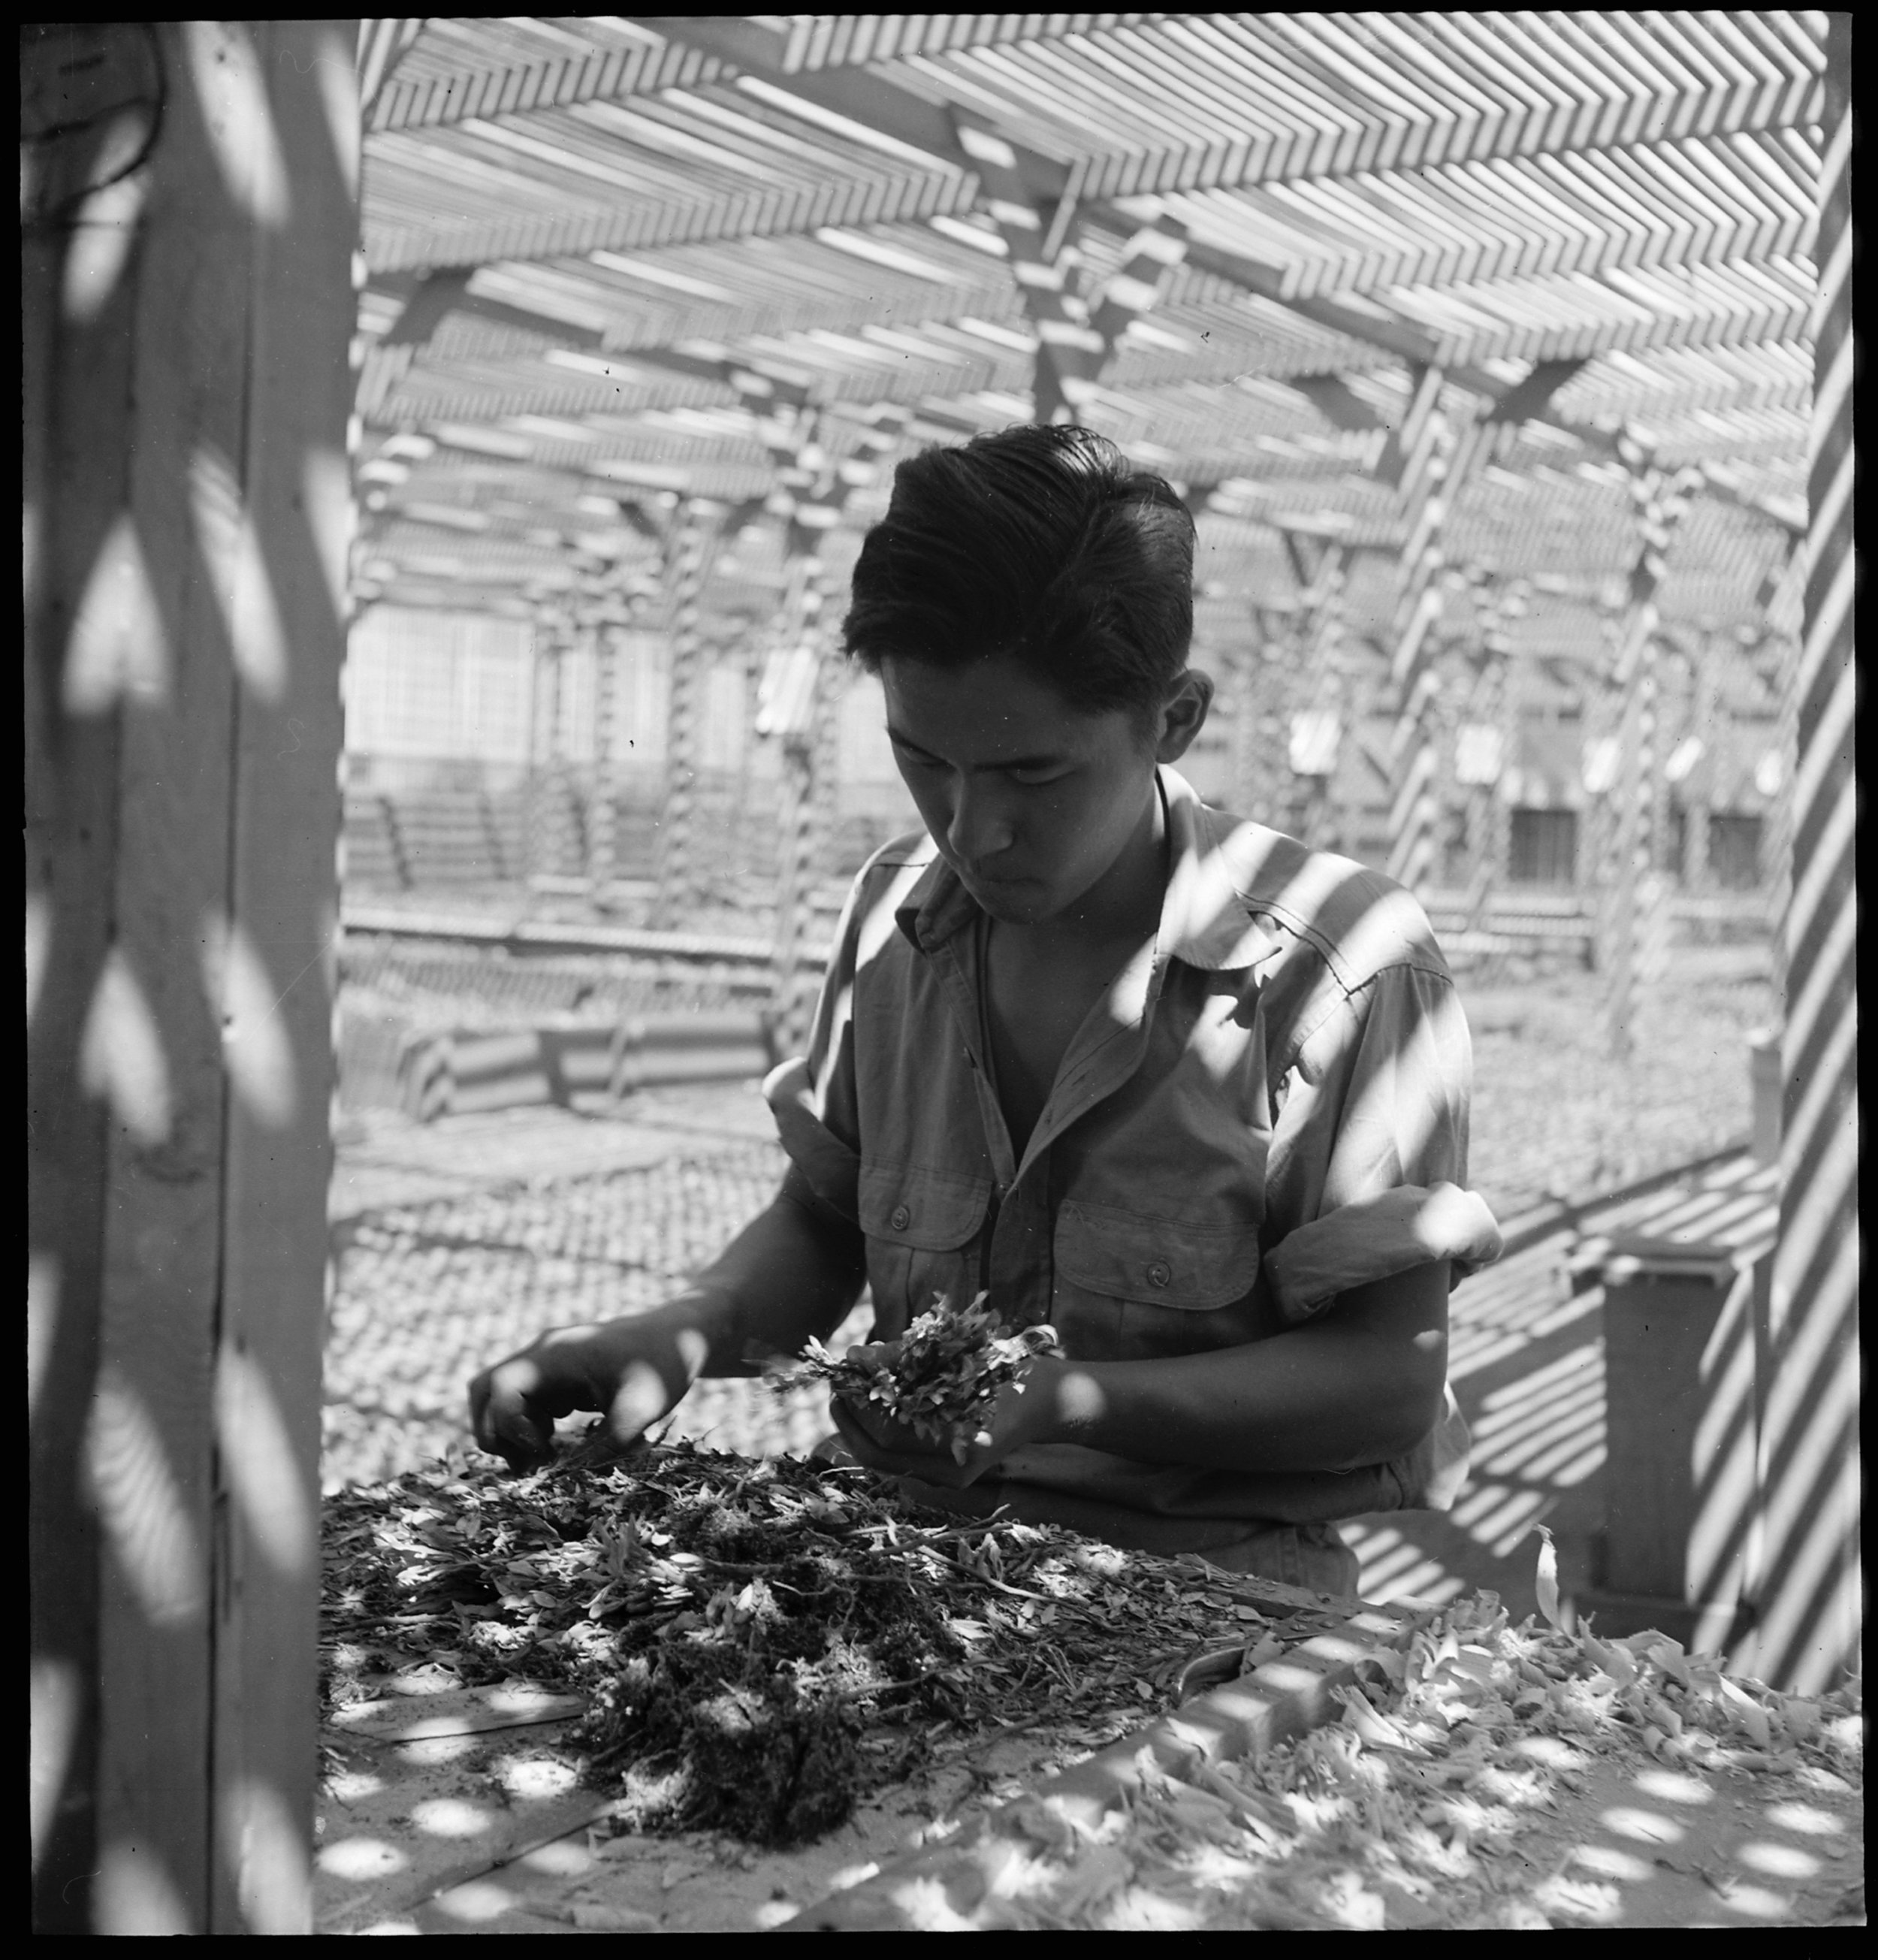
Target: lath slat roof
[633,203]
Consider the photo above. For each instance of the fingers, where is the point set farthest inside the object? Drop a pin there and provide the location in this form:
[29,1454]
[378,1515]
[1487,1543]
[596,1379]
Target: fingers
[881,1430]
[912,1458]
[514,1406]
[867,1448]
[512,1413]
[643,1396]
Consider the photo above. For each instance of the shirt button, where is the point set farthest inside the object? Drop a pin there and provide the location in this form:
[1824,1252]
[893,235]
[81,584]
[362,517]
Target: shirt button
[1159,1272]
[901,1218]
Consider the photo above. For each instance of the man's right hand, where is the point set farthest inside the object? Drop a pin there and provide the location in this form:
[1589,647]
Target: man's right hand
[631,1372]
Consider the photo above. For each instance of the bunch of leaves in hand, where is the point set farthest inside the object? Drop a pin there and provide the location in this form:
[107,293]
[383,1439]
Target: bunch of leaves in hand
[947,1373]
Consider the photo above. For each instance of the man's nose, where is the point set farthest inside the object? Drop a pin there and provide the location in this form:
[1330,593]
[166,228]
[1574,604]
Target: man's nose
[980,826]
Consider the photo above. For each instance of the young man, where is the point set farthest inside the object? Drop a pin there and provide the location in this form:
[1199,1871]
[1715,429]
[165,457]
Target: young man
[1194,1095]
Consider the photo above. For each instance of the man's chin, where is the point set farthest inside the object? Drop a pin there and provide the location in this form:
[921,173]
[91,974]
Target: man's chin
[1014,901]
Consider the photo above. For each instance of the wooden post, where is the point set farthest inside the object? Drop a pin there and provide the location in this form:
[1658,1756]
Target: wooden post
[556,853]
[688,566]
[1305,679]
[603,814]
[1703,727]
[1809,1588]
[544,717]
[1675,704]
[1256,671]
[190,216]
[1512,724]
[1633,911]
[1429,462]
[1076,341]
[1785,611]
[1498,602]
[809,758]
[1596,857]
[813,498]
[1320,674]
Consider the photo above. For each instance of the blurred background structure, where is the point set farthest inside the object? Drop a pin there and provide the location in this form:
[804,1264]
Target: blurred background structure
[1504,361]
[1480,348]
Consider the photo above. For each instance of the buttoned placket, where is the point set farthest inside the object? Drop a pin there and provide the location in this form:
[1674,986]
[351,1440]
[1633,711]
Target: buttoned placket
[1015,1244]
[1016,1248]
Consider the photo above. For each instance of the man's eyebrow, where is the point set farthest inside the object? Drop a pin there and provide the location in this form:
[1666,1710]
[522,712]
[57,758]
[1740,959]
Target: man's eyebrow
[1049,761]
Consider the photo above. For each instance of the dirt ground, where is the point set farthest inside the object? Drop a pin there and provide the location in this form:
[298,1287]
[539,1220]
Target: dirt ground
[1640,1844]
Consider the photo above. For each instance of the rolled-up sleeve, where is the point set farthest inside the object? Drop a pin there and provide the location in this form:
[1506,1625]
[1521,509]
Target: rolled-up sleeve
[1375,1237]
[1400,1083]
[1376,1147]
[1369,1172]
[1377,1097]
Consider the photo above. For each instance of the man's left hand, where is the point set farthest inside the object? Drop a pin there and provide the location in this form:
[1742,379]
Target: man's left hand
[1015,1419]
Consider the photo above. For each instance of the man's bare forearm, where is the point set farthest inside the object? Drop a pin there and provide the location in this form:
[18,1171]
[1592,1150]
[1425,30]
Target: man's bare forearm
[1359,1385]
[794,1270]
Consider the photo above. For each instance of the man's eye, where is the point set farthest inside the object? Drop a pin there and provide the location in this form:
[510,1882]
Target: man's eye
[1036,778]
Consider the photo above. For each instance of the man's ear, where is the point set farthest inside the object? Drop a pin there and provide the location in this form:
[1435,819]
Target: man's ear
[1183,714]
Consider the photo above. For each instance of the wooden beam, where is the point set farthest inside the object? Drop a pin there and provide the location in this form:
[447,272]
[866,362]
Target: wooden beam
[1790,514]
[1363,320]
[440,292]
[1528,399]
[1369,323]
[1337,402]
[187,482]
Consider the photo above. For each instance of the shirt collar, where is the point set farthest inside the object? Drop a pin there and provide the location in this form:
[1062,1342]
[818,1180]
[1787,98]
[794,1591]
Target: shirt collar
[1204,920]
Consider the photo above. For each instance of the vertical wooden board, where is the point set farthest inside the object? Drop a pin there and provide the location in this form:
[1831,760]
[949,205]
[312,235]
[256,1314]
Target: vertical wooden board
[1657,1330]
[163,1251]
[133,698]
[1810,1586]
[71,821]
[278,978]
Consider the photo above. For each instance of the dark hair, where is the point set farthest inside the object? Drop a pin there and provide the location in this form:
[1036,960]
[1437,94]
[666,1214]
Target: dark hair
[1040,542]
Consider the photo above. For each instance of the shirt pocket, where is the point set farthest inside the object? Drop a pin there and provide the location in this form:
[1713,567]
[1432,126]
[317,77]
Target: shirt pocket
[922,1228]
[1130,1284]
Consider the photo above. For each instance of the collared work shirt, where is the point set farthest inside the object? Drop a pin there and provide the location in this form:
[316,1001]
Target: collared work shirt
[1285,1060]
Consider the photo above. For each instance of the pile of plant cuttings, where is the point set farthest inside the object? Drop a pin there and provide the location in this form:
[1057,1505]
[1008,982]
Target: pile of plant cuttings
[1404,1814]
[762,1643]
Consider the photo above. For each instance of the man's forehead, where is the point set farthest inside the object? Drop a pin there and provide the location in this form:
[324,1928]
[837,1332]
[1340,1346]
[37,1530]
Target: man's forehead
[995,704]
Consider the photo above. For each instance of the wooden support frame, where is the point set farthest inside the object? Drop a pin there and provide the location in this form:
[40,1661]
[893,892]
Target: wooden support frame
[1633,919]
[188,308]
[1808,1575]
[696,530]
